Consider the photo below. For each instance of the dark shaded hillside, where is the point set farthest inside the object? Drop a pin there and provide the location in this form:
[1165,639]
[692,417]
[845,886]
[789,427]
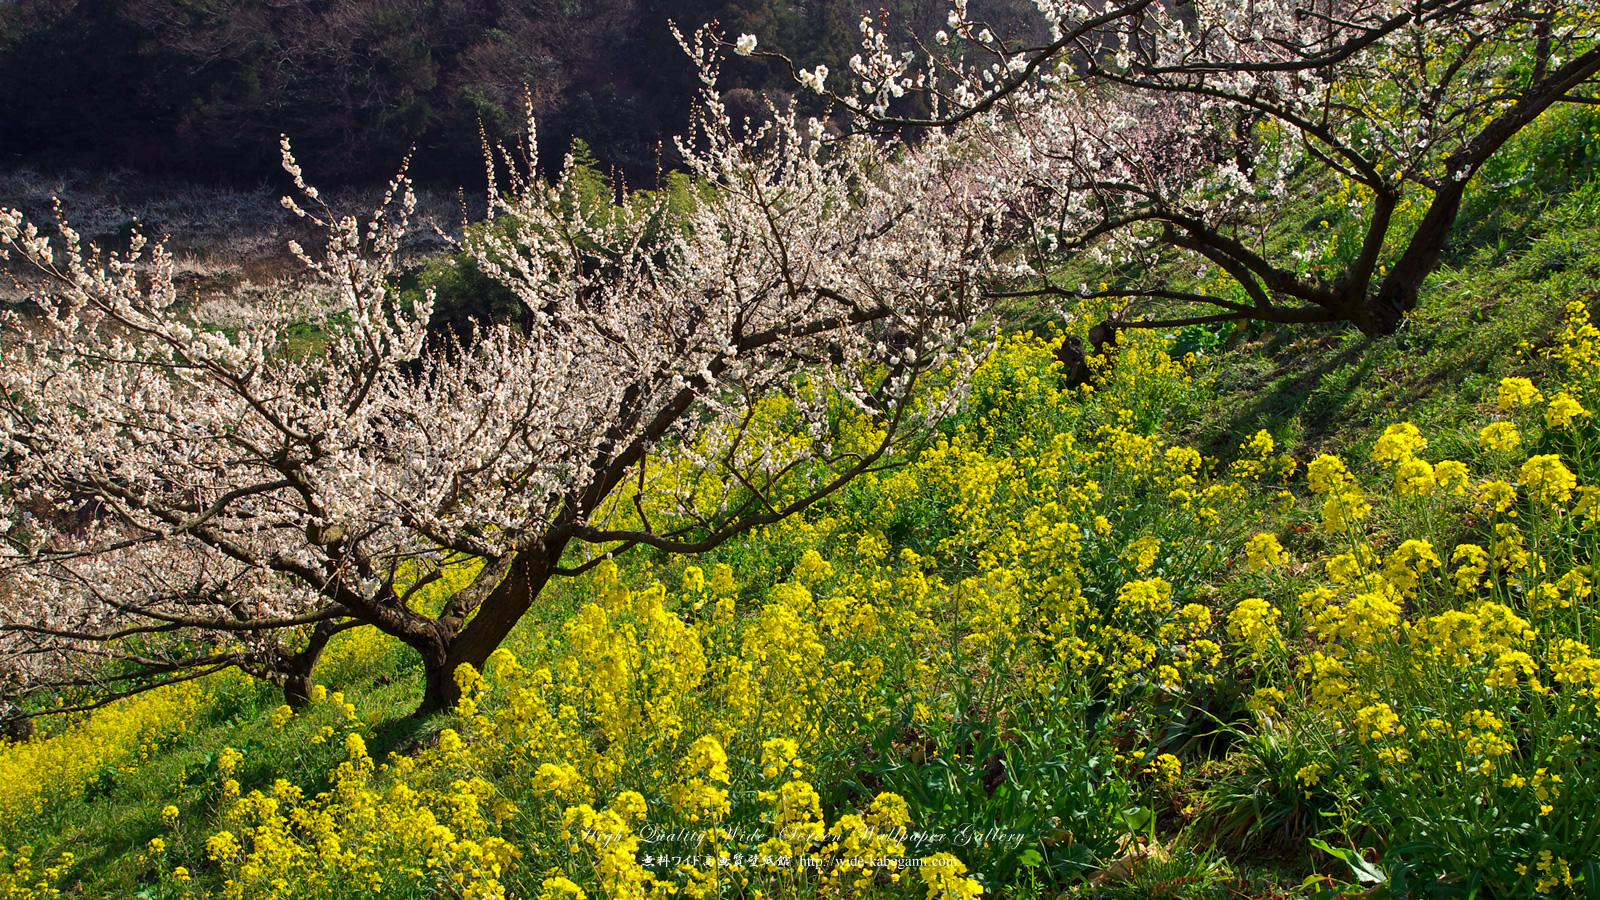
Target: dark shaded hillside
[203,88]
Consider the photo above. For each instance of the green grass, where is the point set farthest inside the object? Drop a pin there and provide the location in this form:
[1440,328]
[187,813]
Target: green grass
[1329,388]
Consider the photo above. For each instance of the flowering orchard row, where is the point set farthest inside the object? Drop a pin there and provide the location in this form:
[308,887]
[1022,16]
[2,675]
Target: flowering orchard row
[1029,627]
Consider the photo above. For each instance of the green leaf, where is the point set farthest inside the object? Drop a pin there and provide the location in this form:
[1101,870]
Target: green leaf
[1365,872]
[1137,817]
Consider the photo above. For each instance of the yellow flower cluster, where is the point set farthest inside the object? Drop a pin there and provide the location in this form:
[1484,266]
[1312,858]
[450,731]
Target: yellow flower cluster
[1578,350]
[1563,410]
[1515,392]
[1057,542]
[19,880]
[1499,436]
[1548,479]
[945,877]
[1263,552]
[1254,623]
[371,831]
[1345,503]
[1469,672]
[57,765]
[652,702]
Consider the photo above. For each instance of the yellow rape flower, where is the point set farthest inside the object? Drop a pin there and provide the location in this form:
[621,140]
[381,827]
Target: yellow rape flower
[945,877]
[1571,663]
[1143,598]
[1259,460]
[1398,443]
[1588,504]
[1499,436]
[1266,700]
[228,759]
[888,811]
[1195,616]
[1562,410]
[812,568]
[1183,460]
[560,780]
[707,757]
[1312,775]
[1472,561]
[1508,666]
[722,579]
[449,741]
[1498,494]
[1166,769]
[1545,785]
[630,805]
[1254,623]
[1142,552]
[1509,552]
[560,888]
[1376,722]
[222,845]
[1578,348]
[1260,444]
[1350,568]
[1548,479]
[1344,508]
[1576,584]
[1450,473]
[1482,735]
[1405,566]
[798,809]
[1515,392]
[1414,476]
[780,757]
[694,581]
[1263,551]
[1365,618]
[1327,473]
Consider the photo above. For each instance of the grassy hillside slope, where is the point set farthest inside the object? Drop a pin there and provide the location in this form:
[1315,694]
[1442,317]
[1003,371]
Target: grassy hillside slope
[1286,612]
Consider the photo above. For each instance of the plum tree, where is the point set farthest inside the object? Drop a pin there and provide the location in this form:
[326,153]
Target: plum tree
[696,365]
[1164,139]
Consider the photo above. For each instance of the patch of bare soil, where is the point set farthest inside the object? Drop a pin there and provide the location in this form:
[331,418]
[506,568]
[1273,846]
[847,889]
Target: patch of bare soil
[225,241]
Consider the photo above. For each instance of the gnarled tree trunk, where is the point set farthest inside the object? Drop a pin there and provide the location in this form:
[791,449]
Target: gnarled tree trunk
[470,642]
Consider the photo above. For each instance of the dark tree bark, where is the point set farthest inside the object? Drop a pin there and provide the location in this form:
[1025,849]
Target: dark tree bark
[476,639]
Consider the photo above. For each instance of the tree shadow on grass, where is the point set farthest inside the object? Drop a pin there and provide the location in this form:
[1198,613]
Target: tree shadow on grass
[1301,387]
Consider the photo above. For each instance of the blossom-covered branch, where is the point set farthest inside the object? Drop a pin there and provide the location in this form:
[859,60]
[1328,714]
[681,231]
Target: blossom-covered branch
[699,362]
[1163,140]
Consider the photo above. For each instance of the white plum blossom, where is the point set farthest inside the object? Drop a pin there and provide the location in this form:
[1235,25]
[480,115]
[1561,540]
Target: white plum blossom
[815,79]
[1148,131]
[229,497]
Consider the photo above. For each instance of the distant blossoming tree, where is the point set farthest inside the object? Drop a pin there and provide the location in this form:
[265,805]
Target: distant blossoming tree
[697,365]
[1173,139]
